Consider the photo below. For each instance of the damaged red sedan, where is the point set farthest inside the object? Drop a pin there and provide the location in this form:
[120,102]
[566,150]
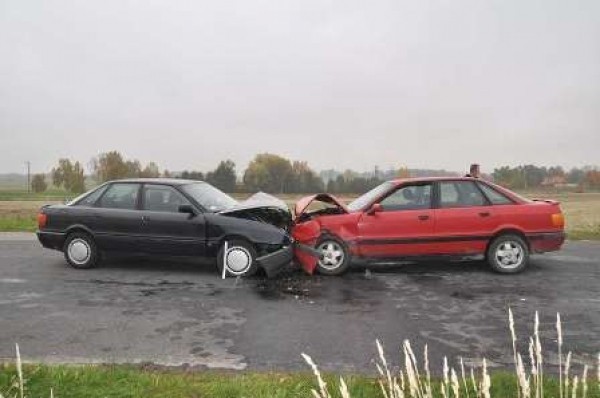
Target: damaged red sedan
[423,218]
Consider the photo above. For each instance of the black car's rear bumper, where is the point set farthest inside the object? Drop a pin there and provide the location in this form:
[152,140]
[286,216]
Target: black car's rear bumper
[51,240]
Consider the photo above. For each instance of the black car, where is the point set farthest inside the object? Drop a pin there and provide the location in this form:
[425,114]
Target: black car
[170,217]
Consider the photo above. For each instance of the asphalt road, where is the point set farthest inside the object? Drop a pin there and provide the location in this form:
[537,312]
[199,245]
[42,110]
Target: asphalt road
[180,313]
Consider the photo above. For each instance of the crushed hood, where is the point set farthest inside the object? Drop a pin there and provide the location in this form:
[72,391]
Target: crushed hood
[259,200]
[306,201]
[264,208]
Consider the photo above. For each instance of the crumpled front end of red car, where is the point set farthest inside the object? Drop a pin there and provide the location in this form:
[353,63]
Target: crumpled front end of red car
[306,228]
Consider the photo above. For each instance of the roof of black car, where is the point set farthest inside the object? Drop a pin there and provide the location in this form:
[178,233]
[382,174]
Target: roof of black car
[168,181]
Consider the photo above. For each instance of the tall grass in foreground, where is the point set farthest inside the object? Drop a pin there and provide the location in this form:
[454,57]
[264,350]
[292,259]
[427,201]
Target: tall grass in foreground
[410,382]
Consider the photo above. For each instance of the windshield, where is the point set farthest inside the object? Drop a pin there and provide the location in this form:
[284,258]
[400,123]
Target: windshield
[363,201]
[209,197]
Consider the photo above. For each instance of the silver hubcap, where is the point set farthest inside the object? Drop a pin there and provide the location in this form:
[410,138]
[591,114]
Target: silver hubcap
[510,254]
[238,260]
[79,251]
[332,255]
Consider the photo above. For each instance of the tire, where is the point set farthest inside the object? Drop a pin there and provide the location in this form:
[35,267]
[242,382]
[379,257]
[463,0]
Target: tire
[508,254]
[241,257]
[80,251]
[335,258]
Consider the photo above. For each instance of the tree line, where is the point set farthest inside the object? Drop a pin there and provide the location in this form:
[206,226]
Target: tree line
[276,174]
[266,172]
[532,177]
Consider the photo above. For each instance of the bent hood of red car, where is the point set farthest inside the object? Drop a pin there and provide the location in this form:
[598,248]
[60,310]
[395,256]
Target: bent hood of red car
[306,201]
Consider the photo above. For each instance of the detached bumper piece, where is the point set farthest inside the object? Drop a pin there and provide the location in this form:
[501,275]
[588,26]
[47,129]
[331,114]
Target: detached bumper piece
[272,263]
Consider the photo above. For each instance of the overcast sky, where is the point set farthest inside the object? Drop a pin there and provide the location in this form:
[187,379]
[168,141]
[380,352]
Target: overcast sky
[341,84]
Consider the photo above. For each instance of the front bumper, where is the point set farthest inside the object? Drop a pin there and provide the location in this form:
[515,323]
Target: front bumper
[51,240]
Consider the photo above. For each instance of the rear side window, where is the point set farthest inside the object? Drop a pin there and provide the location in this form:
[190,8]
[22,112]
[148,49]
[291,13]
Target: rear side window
[495,197]
[120,196]
[91,198]
[163,198]
[460,194]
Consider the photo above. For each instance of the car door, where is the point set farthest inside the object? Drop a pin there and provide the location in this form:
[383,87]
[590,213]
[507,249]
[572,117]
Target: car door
[402,226]
[464,218]
[166,230]
[116,221]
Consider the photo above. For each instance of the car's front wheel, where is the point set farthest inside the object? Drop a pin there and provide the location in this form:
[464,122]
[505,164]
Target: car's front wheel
[240,258]
[80,251]
[334,257]
[508,254]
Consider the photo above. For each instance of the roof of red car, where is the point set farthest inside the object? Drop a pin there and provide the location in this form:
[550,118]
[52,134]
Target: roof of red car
[418,179]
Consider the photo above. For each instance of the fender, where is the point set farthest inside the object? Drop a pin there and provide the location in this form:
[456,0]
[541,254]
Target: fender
[79,227]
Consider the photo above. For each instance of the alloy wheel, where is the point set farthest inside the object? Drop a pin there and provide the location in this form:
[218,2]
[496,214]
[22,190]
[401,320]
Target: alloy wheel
[509,255]
[332,255]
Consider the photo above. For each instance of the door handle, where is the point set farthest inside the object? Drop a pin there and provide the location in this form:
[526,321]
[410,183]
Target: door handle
[484,214]
[423,217]
[145,219]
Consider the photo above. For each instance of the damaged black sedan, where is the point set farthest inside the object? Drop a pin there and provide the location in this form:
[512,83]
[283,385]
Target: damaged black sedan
[170,217]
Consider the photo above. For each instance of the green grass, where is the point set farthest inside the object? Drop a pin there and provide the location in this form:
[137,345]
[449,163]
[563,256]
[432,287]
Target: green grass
[591,232]
[135,381]
[130,381]
[22,194]
[18,223]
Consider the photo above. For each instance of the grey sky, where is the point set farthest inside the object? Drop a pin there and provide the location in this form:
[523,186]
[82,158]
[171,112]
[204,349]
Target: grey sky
[341,84]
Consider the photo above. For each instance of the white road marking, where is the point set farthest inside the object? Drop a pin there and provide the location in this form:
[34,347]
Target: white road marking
[12,280]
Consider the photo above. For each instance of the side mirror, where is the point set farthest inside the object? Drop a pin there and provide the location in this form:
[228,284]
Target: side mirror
[187,209]
[375,208]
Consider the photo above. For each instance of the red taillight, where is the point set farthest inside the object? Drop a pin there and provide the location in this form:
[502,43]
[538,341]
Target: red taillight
[42,219]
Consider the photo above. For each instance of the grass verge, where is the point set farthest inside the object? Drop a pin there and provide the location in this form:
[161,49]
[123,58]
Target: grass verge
[591,232]
[18,223]
[23,195]
[132,382]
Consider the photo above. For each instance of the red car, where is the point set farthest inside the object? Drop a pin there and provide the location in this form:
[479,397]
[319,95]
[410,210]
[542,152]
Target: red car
[425,217]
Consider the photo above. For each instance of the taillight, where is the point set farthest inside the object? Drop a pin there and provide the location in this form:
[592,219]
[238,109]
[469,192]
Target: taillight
[558,220]
[42,219]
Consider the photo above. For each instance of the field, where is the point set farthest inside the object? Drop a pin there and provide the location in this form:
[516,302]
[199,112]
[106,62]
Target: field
[582,210]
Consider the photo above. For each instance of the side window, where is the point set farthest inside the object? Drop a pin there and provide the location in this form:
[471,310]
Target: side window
[91,199]
[120,196]
[460,194]
[163,198]
[495,197]
[409,197]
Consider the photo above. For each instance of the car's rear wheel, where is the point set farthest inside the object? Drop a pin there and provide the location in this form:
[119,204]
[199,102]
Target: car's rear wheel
[80,251]
[508,254]
[240,258]
[334,256]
